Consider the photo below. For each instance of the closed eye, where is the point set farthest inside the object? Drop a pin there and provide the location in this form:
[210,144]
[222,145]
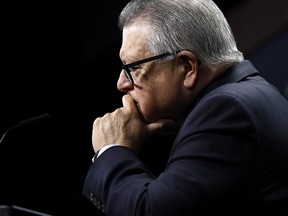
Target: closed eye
[133,68]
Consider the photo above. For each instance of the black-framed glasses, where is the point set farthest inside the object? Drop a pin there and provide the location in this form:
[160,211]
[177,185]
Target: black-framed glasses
[126,67]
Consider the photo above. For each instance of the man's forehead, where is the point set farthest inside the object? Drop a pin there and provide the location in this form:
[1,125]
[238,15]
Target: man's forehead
[134,42]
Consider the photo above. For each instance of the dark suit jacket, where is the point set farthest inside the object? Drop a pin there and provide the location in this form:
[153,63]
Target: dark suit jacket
[230,157]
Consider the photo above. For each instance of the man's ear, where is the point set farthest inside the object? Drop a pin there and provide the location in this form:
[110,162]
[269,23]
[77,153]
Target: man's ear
[191,68]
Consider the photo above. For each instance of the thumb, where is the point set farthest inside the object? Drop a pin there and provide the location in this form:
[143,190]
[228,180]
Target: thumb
[160,125]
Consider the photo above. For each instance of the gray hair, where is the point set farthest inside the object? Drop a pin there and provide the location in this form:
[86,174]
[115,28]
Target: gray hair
[195,25]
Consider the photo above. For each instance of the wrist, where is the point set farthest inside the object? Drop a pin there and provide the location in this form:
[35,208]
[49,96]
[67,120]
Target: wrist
[101,150]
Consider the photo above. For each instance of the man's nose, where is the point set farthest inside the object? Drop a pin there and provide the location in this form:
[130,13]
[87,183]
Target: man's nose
[123,84]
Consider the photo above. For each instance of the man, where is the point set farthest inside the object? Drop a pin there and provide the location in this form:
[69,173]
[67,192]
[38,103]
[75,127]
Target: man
[182,73]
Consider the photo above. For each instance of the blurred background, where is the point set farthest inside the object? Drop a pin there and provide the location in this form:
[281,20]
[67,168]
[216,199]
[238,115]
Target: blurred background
[62,58]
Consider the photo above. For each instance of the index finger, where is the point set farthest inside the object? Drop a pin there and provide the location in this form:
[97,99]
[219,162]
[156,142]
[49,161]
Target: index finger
[129,104]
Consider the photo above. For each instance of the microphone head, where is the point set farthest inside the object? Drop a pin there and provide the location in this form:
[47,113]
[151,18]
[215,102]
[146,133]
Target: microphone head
[36,119]
[43,117]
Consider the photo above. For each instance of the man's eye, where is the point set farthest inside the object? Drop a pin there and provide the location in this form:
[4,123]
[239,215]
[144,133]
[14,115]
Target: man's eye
[133,68]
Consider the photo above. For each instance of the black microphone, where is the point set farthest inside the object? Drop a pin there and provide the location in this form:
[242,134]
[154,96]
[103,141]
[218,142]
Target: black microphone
[45,116]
